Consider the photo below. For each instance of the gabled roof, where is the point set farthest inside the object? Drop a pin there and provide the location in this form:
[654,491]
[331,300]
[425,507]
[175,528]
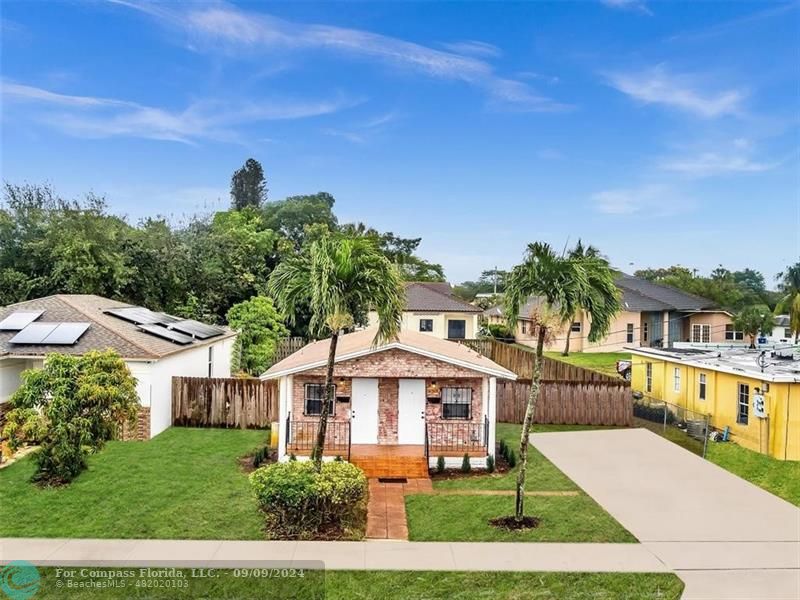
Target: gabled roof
[435,297]
[105,331]
[359,343]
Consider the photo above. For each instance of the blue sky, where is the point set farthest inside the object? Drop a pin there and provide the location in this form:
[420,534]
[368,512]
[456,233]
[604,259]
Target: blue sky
[662,133]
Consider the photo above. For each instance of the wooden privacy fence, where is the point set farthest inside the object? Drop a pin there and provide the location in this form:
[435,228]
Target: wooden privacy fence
[288,346]
[567,402]
[224,402]
[520,361]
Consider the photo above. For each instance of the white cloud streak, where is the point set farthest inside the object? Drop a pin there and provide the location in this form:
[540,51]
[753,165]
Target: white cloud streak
[659,86]
[708,164]
[98,117]
[650,199]
[634,5]
[222,27]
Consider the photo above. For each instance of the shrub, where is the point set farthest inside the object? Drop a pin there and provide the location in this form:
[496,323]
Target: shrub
[292,457]
[465,466]
[260,456]
[500,331]
[299,503]
[490,464]
[512,459]
[503,449]
[338,458]
[440,464]
[24,426]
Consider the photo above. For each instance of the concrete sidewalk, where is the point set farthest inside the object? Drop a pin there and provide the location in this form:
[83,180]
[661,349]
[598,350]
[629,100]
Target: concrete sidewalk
[369,555]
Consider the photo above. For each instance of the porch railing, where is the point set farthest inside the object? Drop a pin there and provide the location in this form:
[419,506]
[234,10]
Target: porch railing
[456,437]
[302,435]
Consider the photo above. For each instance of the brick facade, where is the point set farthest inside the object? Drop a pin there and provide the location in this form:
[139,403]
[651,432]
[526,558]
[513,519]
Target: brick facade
[141,430]
[388,367]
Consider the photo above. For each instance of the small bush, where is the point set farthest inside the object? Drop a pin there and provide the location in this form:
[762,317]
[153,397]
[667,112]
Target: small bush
[338,458]
[512,459]
[299,503]
[292,457]
[503,449]
[500,331]
[260,456]
[440,464]
[490,464]
[465,466]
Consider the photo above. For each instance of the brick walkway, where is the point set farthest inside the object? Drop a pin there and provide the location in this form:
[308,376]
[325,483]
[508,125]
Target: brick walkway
[386,511]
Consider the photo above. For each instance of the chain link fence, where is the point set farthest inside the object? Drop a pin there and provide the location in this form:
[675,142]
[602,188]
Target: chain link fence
[678,424]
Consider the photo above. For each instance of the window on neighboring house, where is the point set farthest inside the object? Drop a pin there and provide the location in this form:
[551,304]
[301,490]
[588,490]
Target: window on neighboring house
[629,333]
[456,329]
[645,331]
[731,334]
[743,411]
[426,324]
[676,379]
[701,333]
[787,333]
[701,386]
[211,361]
[576,326]
[648,377]
[456,403]
[524,326]
[314,397]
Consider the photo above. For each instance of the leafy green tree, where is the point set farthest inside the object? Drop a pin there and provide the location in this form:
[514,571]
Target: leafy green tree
[340,278]
[581,252]
[83,401]
[248,186]
[563,283]
[754,320]
[294,215]
[260,329]
[789,300]
[486,284]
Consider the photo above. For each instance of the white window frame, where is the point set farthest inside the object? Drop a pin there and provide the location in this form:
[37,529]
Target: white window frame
[211,361]
[742,403]
[457,396]
[524,327]
[426,321]
[645,331]
[731,334]
[332,408]
[702,386]
[676,379]
[648,377]
[787,333]
[630,334]
[701,333]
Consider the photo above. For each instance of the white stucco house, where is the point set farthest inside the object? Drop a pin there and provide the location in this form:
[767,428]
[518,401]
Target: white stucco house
[154,345]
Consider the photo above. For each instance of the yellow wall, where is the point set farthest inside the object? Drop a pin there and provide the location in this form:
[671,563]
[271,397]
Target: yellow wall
[410,322]
[778,435]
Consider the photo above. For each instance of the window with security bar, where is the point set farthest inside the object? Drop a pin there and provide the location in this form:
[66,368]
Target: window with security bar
[457,403]
[314,397]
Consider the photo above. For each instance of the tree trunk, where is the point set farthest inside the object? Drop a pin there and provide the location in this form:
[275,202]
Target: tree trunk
[566,346]
[319,445]
[530,411]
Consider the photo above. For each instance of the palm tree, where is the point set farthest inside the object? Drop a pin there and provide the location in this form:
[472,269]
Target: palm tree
[578,252]
[563,283]
[789,287]
[339,278]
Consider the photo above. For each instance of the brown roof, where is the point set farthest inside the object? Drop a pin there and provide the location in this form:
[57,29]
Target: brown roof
[105,331]
[435,297]
[359,343]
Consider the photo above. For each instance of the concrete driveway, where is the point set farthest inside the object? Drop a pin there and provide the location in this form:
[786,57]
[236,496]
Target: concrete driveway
[725,537]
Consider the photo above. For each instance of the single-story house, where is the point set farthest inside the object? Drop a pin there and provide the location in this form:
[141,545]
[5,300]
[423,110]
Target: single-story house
[652,315]
[754,393]
[432,309]
[781,332]
[155,346]
[398,405]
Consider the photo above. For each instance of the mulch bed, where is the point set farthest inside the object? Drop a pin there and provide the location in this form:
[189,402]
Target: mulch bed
[500,466]
[246,462]
[511,523]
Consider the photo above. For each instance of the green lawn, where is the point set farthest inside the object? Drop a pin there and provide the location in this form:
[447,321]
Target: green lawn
[183,484]
[378,585]
[466,518]
[605,362]
[781,477]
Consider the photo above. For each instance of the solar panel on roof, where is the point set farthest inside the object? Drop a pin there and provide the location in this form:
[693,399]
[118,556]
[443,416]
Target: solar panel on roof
[33,333]
[20,319]
[140,315]
[197,329]
[167,334]
[66,333]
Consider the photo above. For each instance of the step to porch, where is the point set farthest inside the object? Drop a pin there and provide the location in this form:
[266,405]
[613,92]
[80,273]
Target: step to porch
[392,467]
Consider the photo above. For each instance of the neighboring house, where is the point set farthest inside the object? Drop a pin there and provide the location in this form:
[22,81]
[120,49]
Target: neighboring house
[781,332]
[652,315]
[399,405]
[432,309]
[726,384]
[155,346]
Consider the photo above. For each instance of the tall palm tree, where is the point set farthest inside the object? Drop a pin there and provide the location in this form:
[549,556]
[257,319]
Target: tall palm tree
[578,252]
[339,278]
[563,283]
[789,287]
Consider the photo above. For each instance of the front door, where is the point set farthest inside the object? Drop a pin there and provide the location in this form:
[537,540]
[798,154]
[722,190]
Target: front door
[411,412]
[364,411]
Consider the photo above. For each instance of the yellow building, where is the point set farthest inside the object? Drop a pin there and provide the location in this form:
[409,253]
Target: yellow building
[729,386]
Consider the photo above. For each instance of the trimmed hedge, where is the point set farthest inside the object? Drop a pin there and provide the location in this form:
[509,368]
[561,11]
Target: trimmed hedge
[299,503]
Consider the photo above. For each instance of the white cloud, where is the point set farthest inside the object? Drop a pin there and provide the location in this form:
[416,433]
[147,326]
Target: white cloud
[360,133]
[473,48]
[634,5]
[222,27]
[97,117]
[659,86]
[650,199]
[707,164]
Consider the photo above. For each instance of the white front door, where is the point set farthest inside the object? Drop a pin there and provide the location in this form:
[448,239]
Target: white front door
[411,412]
[364,411]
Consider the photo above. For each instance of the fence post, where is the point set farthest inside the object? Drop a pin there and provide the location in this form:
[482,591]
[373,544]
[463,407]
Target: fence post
[705,436]
[665,417]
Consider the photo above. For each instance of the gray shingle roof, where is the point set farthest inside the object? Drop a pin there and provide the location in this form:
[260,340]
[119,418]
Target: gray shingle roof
[435,297]
[105,331]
